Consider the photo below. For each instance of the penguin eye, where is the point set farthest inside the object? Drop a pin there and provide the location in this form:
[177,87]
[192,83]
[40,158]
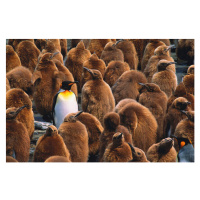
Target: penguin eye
[139,153]
[95,74]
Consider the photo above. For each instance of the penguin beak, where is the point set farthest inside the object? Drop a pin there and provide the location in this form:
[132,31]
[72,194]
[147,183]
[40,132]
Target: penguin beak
[141,84]
[169,47]
[78,114]
[14,154]
[21,108]
[119,136]
[119,41]
[73,83]
[88,70]
[184,112]
[188,103]
[54,54]
[132,148]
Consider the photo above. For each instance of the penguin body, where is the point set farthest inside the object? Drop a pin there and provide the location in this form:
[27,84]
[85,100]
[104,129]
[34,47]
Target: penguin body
[127,85]
[188,80]
[10,159]
[74,42]
[16,42]
[57,159]
[7,85]
[186,154]
[122,103]
[63,45]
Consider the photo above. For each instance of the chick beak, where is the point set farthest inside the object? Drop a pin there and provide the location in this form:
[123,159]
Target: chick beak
[169,47]
[88,70]
[21,108]
[54,54]
[78,113]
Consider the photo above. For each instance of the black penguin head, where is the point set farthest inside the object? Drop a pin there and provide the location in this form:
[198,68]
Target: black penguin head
[189,114]
[66,85]
[181,103]
[96,74]
[11,113]
[182,141]
[163,64]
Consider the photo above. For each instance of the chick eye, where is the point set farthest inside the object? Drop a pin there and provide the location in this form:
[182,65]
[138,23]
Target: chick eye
[95,73]
[139,153]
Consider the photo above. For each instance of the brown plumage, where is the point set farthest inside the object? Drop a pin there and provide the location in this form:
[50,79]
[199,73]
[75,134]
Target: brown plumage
[7,85]
[16,97]
[50,144]
[75,137]
[97,98]
[141,124]
[165,77]
[47,80]
[111,52]
[149,51]
[118,150]
[92,63]
[190,69]
[16,42]
[185,50]
[160,53]
[57,159]
[97,45]
[74,42]
[181,92]
[122,103]
[56,43]
[152,97]
[114,70]
[188,81]
[127,85]
[111,126]
[68,75]
[12,59]
[10,159]
[130,53]
[40,43]
[163,151]
[17,138]
[63,45]
[75,59]
[174,115]
[20,77]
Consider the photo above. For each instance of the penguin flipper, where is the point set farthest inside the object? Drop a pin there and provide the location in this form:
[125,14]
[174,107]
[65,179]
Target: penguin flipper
[53,107]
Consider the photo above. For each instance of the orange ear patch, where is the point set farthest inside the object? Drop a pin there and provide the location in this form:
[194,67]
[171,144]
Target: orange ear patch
[182,144]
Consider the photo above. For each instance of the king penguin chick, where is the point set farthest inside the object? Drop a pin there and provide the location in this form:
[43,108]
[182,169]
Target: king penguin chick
[165,77]
[12,59]
[190,69]
[152,97]
[141,124]
[74,42]
[57,159]
[114,70]
[75,59]
[17,138]
[63,45]
[64,102]
[175,115]
[7,85]
[16,42]
[16,97]
[97,98]
[75,137]
[127,85]
[188,80]
[122,103]
[111,126]
[111,52]
[118,150]
[10,159]
[28,54]
[163,151]
[130,53]
[92,63]
[50,144]
[160,53]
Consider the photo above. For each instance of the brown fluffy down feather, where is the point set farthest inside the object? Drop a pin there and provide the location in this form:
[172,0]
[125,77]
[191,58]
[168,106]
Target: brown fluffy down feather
[75,136]
[75,59]
[20,77]
[114,70]
[74,42]
[122,103]
[63,45]
[57,159]
[7,85]
[118,150]
[17,138]
[111,52]
[188,81]
[156,154]
[111,126]
[127,85]
[10,159]
[92,63]
[141,124]
[130,53]
[16,42]
[28,54]
[50,144]
[16,97]
[12,58]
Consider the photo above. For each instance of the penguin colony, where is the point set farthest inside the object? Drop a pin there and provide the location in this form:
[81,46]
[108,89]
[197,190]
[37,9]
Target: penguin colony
[108,100]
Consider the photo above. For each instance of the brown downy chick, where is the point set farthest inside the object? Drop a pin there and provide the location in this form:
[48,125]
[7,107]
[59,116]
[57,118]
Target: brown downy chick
[118,150]
[152,97]
[7,85]
[97,46]
[175,115]
[50,144]
[111,126]
[28,54]
[165,77]
[130,53]
[181,92]
[122,103]
[75,59]
[160,53]
[74,42]
[92,63]
[20,77]
[75,136]
[127,85]
[40,43]
[10,159]
[56,43]
[63,45]
[188,80]
[57,159]
[17,138]
[149,51]
[111,52]
[12,59]
[190,69]
[163,151]
[141,124]
[137,155]
[16,42]
[101,101]
[114,70]
[47,80]
[16,97]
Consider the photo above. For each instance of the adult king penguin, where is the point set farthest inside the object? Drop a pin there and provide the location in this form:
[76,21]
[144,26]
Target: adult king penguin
[64,103]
